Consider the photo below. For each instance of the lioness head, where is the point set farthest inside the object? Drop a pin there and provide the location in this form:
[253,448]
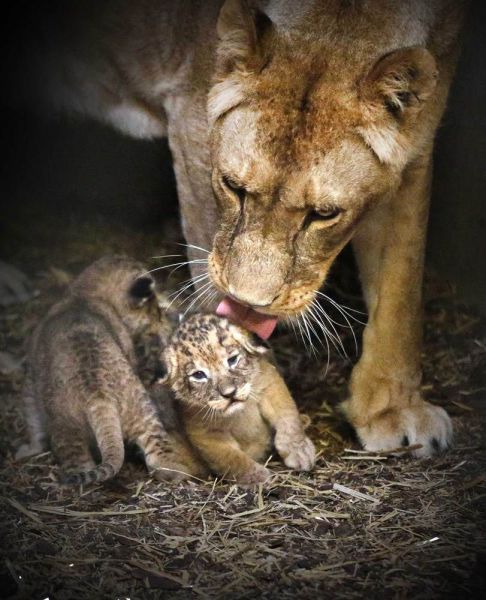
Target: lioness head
[304,141]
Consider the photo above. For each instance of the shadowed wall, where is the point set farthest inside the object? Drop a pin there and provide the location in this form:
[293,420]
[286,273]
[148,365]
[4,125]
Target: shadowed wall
[78,166]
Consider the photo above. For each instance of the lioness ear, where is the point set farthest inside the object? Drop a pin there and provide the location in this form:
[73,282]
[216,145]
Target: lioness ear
[394,92]
[401,81]
[239,52]
[240,28]
[141,290]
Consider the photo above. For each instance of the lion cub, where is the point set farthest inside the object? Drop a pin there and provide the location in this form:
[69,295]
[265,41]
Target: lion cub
[232,399]
[81,389]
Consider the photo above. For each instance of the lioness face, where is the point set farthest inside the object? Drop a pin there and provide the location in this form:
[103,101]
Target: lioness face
[292,185]
[300,152]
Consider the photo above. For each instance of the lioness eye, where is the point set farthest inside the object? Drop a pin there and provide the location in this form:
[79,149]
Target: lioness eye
[322,214]
[198,376]
[234,187]
[233,360]
[326,214]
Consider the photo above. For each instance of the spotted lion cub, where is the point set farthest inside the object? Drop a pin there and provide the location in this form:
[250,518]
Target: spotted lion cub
[232,399]
[81,389]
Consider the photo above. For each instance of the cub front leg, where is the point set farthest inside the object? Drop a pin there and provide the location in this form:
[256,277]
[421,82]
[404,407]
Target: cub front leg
[224,457]
[279,409]
[143,426]
[385,405]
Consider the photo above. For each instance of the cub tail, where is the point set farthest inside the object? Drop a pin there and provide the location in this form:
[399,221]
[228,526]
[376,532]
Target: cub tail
[106,425]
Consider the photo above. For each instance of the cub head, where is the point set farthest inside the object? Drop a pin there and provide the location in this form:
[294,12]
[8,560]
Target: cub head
[210,363]
[124,284]
[306,136]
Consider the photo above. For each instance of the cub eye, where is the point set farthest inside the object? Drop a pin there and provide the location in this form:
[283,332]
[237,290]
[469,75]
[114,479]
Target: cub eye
[322,214]
[198,376]
[233,361]
[234,187]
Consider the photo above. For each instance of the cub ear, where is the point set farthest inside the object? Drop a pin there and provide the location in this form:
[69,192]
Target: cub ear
[240,29]
[166,368]
[161,374]
[141,290]
[250,341]
[394,92]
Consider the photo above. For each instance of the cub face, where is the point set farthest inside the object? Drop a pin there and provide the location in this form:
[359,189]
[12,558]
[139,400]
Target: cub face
[210,365]
[303,145]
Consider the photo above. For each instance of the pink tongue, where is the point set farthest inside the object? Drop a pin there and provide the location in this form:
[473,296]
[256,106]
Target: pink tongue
[262,325]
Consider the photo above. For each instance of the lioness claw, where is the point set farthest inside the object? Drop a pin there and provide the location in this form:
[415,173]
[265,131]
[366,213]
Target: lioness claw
[423,425]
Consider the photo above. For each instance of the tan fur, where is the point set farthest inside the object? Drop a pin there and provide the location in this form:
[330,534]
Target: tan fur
[81,388]
[231,414]
[303,125]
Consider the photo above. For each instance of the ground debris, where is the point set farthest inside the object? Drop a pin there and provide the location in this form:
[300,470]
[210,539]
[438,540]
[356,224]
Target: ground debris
[361,524]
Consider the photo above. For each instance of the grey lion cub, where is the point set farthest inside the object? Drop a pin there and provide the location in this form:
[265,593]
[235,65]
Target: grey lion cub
[232,399]
[81,389]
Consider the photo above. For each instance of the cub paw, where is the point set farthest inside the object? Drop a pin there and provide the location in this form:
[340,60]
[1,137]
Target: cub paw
[422,423]
[297,453]
[14,285]
[172,472]
[26,450]
[257,474]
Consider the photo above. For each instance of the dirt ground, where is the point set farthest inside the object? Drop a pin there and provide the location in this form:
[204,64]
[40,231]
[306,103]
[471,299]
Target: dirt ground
[359,525]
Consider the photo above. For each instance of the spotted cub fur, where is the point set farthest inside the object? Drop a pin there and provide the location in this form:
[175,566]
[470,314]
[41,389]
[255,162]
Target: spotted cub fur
[232,399]
[81,390]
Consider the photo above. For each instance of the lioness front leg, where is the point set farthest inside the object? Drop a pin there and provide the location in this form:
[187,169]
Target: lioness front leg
[279,409]
[385,406]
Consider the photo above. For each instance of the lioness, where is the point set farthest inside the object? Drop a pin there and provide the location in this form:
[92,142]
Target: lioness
[295,127]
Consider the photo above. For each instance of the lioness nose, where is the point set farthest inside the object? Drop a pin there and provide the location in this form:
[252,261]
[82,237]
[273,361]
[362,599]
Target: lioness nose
[227,391]
[249,297]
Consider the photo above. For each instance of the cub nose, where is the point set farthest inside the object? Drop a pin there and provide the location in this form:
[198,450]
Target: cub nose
[227,391]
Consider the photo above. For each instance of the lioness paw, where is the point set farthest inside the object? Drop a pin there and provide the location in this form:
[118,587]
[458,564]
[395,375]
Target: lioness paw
[297,453]
[422,424]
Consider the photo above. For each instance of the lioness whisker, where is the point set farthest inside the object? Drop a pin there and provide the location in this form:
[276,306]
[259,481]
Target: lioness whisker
[345,316]
[319,313]
[197,292]
[208,296]
[301,334]
[169,256]
[193,247]
[333,337]
[188,283]
[328,354]
[179,292]
[308,334]
[308,321]
[176,265]
[206,288]
[346,309]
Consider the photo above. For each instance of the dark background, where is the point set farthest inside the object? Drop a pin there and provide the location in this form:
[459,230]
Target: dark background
[78,170]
